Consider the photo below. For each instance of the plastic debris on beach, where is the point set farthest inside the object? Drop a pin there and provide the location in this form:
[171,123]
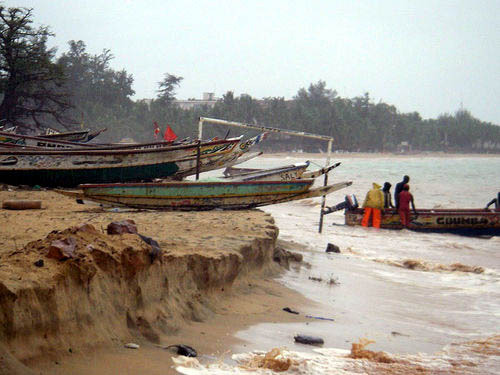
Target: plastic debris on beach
[472,357]
[309,340]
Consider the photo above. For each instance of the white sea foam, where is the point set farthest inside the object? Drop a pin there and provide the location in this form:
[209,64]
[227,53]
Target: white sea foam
[476,357]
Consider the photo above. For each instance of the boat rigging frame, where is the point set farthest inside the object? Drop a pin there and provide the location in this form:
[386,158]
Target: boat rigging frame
[208,120]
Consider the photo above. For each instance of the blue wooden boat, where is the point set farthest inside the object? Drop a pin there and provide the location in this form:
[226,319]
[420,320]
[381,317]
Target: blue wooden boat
[201,195]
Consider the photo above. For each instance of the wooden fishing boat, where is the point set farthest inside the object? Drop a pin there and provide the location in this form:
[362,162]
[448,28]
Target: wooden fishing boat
[69,168]
[201,195]
[82,136]
[459,221]
[13,140]
[286,173]
[235,173]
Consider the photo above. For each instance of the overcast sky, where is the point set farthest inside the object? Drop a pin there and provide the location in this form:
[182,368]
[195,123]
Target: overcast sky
[420,55]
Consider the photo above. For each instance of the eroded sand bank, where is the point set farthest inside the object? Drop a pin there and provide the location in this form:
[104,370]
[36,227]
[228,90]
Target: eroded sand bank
[212,278]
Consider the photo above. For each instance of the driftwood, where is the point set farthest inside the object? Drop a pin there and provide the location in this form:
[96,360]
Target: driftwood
[22,205]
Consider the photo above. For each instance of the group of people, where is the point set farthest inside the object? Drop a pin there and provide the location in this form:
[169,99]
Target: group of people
[376,200]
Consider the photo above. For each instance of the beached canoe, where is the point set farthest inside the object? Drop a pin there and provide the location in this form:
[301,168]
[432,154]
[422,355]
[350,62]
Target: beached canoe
[13,140]
[201,195]
[69,168]
[82,136]
[459,221]
[286,173]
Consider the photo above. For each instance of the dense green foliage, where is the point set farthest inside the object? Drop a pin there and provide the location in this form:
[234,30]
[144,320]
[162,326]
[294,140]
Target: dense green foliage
[30,81]
[357,124]
[102,97]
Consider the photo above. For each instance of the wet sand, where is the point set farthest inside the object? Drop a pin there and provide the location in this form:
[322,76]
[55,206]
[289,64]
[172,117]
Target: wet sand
[212,338]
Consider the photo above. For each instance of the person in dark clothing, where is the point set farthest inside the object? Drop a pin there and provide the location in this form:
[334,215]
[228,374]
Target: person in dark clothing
[405,198]
[399,189]
[387,195]
[495,201]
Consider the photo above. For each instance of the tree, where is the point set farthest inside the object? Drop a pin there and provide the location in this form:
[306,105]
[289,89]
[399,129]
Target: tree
[31,83]
[166,92]
[101,95]
[91,79]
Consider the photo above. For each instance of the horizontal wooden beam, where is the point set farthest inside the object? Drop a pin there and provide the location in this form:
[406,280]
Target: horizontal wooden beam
[264,128]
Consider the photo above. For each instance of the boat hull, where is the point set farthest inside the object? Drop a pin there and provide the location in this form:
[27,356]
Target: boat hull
[460,221]
[75,177]
[198,196]
[70,168]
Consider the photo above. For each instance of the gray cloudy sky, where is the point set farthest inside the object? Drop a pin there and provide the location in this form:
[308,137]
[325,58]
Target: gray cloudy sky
[420,55]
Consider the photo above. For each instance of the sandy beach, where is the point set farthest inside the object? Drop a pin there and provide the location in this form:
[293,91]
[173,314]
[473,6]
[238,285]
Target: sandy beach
[218,272]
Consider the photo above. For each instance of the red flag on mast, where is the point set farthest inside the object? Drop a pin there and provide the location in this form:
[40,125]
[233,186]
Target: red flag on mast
[169,135]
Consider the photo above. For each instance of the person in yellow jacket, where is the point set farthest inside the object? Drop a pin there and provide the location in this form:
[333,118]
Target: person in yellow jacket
[373,204]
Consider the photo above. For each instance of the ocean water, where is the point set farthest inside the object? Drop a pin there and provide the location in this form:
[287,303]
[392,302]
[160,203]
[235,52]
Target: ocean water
[430,318]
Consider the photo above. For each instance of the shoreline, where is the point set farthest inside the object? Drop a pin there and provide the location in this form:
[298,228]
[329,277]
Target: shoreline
[361,155]
[208,291]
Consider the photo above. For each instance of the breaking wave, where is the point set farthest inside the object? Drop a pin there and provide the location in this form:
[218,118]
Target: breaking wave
[420,265]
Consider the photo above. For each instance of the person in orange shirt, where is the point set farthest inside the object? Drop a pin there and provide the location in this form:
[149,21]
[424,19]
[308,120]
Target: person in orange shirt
[373,205]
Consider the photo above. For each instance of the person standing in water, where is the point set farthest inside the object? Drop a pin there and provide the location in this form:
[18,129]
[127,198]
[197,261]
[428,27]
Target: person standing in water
[387,195]
[405,198]
[373,205]
[399,189]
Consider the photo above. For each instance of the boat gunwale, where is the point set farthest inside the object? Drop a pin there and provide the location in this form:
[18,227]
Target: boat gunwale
[263,173]
[433,212]
[308,182]
[119,151]
[279,194]
[75,132]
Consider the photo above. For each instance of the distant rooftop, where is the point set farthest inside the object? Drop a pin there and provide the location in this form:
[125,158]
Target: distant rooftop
[208,99]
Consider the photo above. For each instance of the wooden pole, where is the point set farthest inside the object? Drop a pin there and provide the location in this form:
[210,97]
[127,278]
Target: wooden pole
[323,198]
[261,128]
[200,128]
[198,157]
